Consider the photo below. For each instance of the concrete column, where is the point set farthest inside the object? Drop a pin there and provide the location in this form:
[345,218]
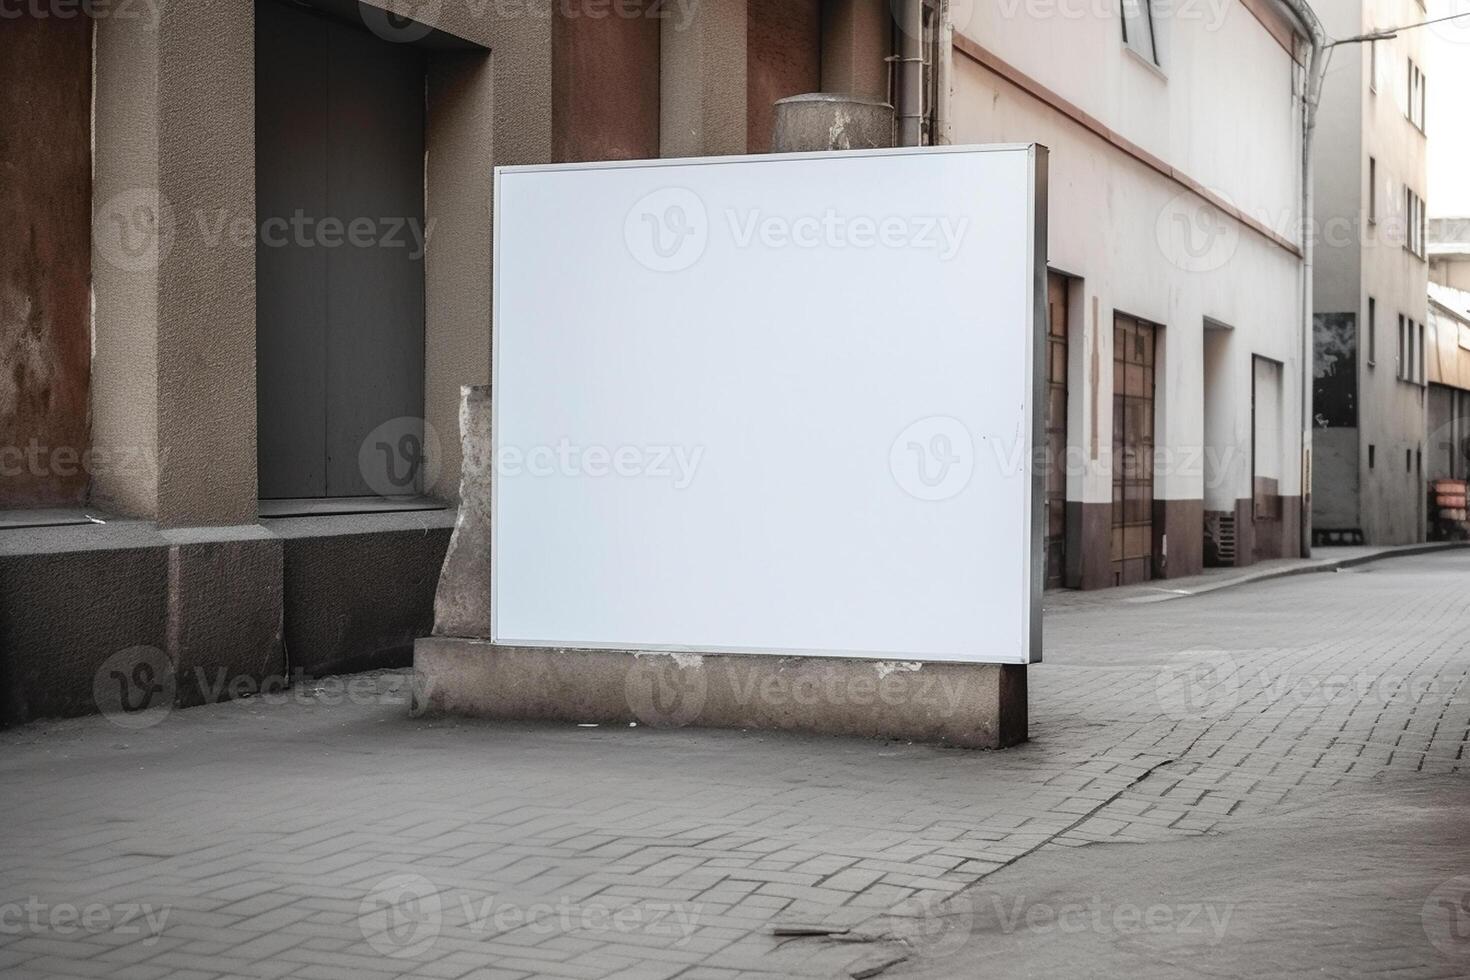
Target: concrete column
[459,198]
[206,284]
[703,82]
[174,248]
[127,229]
[855,41]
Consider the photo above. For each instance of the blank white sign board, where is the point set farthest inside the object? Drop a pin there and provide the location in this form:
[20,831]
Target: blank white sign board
[781,404]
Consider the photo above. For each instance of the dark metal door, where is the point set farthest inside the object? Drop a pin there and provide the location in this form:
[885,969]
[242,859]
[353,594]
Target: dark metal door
[339,257]
[1134,345]
[1056,432]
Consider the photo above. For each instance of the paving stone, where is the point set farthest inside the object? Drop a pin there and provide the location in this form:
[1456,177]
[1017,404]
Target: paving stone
[268,831]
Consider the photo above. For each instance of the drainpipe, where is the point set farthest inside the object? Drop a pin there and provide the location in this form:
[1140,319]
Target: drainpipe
[910,14]
[1302,13]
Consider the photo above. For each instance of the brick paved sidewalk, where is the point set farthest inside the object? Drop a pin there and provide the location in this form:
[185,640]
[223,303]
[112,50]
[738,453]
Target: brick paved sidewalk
[326,834]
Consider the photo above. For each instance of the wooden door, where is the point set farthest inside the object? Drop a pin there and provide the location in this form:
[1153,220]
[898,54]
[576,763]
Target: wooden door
[1056,432]
[1134,345]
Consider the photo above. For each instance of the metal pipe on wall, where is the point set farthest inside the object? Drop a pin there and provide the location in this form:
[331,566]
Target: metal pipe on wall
[1316,72]
[910,16]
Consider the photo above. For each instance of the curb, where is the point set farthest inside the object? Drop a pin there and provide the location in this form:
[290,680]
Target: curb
[1164,594]
[1327,565]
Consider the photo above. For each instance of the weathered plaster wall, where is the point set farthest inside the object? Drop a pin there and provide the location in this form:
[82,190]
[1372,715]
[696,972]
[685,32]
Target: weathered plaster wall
[702,106]
[605,85]
[45,262]
[784,52]
[855,42]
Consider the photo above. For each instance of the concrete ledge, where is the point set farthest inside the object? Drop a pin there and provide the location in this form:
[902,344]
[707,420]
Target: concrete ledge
[968,705]
[357,601]
[64,615]
[127,612]
[224,614]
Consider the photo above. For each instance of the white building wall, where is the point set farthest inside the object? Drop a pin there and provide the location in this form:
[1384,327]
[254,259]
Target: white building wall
[1365,117]
[1220,113]
[1220,106]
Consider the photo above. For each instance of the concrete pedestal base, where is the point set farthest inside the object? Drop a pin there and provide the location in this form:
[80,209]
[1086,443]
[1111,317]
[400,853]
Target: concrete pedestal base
[460,672]
[969,705]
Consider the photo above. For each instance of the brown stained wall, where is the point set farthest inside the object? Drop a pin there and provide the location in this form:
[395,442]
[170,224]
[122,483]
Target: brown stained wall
[784,48]
[45,258]
[605,83]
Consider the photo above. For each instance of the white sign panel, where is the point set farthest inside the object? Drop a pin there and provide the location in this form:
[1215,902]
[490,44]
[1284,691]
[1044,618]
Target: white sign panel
[781,404]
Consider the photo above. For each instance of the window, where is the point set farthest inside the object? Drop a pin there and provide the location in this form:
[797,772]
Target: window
[1420,237]
[1373,66]
[1401,361]
[1372,331]
[1372,454]
[1418,226]
[1416,102]
[1372,190]
[1414,216]
[1138,29]
[1411,350]
[1408,460]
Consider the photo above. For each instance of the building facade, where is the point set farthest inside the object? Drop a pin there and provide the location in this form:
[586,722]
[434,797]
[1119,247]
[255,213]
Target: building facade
[251,272]
[1447,377]
[1371,272]
[1177,271]
[1449,252]
[1447,374]
[253,275]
